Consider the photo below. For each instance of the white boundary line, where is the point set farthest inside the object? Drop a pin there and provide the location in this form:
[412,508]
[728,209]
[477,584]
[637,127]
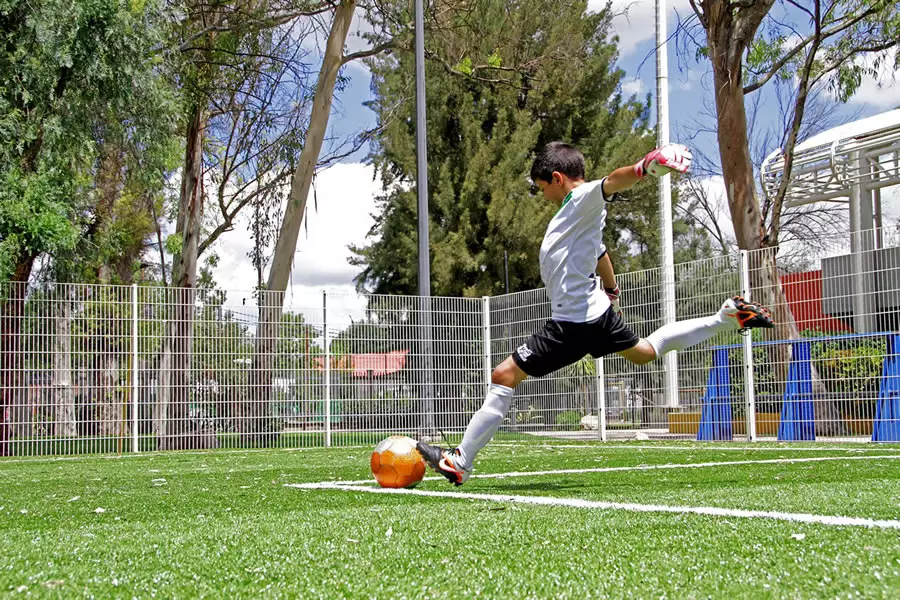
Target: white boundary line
[601,445]
[599,505]
[768,461]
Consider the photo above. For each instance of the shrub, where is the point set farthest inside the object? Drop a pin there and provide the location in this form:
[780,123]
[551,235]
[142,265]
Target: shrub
[569,419]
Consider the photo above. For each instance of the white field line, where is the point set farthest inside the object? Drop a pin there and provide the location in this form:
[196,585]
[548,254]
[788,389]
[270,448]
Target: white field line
[768,461]
[599,505]
[602,445]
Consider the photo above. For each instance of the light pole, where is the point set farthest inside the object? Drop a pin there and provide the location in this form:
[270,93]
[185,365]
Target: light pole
[667,275]
[427,388]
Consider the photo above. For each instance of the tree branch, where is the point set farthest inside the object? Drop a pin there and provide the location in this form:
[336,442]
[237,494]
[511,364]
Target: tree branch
[799,109]
[273,20]
[370,52]
[747,21]
[825,34]
[752,87]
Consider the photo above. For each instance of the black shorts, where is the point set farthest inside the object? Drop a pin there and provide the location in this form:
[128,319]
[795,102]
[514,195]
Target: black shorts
[560,343]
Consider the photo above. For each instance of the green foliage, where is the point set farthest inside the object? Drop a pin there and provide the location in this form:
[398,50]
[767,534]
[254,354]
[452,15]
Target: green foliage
[568,419]
[465,66]
[173,244]
[75,78]
[850,28]
[35,215]
[484,124]
[856,369]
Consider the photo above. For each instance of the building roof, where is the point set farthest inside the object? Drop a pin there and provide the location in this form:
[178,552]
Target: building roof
[375,364]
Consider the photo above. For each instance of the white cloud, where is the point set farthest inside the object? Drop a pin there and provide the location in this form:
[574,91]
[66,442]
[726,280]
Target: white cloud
[714,189]
[633,87]
[346,200]
[636,20]
[883,91]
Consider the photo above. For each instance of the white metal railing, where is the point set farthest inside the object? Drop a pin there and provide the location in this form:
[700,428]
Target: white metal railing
[109,369]
[865,154]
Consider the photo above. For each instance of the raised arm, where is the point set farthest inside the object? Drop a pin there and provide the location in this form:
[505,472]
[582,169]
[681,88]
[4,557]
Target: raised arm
[659,162]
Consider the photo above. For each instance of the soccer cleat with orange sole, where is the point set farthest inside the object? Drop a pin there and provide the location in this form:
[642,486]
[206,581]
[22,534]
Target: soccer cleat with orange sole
[445,462]
[749,315]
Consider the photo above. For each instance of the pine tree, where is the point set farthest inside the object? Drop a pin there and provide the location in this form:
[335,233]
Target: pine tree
[526,80]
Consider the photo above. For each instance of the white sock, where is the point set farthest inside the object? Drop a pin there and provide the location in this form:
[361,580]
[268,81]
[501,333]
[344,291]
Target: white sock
[682,334]
[484,423]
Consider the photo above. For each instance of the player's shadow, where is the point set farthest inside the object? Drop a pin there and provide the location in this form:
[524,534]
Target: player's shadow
[538,486]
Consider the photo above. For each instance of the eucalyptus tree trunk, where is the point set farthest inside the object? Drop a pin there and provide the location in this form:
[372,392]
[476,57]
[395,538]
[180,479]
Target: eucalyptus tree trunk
[256,425]
[63,388]
[173,424]
[729,32]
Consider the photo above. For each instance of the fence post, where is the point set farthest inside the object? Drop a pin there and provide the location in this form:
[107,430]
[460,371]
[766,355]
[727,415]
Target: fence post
[749,395]
[327,369]
[134,368]
[486,340]
[600,383]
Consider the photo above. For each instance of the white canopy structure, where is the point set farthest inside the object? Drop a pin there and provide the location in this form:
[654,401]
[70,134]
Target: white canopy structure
[828,166]
[850,163]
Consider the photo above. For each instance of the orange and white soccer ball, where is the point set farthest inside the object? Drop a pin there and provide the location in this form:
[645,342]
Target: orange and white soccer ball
[396,463]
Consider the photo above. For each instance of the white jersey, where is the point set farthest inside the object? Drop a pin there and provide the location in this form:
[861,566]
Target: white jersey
[572,244]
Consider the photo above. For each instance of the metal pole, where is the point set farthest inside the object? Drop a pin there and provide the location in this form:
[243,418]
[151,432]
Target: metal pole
[134,368]
[506,270]
[601,399]
[327,343]
[862,278]
[424,251]
[749,394]
[486,337]
[422,156]
[667,281]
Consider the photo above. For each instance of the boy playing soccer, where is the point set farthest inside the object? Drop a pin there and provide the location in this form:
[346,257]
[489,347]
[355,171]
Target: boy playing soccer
[584,315]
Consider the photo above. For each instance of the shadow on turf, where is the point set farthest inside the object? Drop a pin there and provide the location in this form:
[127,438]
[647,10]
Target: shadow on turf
[538,486]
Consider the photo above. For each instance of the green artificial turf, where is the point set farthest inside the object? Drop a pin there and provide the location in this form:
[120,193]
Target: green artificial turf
[223,524]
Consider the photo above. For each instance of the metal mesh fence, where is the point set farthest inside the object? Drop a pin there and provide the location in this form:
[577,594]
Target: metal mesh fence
[108,369]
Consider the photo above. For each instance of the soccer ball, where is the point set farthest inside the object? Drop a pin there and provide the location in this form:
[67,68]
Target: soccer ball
[396,463]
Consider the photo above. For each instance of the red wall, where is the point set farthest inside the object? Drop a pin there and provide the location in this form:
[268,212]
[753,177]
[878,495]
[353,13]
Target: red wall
[804,295]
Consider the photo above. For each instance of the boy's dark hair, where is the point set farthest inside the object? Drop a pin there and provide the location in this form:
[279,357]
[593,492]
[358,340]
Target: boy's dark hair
[557,156]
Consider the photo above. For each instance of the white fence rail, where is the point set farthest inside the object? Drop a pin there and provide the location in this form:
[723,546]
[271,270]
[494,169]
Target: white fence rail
[114,369]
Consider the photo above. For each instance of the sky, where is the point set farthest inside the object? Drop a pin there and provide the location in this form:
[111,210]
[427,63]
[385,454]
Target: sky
[346,192]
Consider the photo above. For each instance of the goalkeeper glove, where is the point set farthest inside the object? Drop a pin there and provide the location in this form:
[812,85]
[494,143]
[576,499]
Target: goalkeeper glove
[662,161]
[613,295]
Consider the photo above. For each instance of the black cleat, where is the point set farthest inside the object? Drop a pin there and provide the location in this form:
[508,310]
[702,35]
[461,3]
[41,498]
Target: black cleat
[444,462]
[749,315]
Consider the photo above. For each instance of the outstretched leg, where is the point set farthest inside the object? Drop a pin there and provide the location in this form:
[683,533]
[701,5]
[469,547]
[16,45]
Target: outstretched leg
[736,314]
[456,465]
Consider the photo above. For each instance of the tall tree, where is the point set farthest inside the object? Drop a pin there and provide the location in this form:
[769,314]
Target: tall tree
[498,91]
[66,68]
[747,48]
[240,64]
[259,427]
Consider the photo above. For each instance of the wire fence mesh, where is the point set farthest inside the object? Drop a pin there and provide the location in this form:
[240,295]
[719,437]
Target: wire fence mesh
[114,369]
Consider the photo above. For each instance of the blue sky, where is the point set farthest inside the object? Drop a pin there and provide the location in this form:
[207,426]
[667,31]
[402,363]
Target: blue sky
[346,192]
[689,80]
